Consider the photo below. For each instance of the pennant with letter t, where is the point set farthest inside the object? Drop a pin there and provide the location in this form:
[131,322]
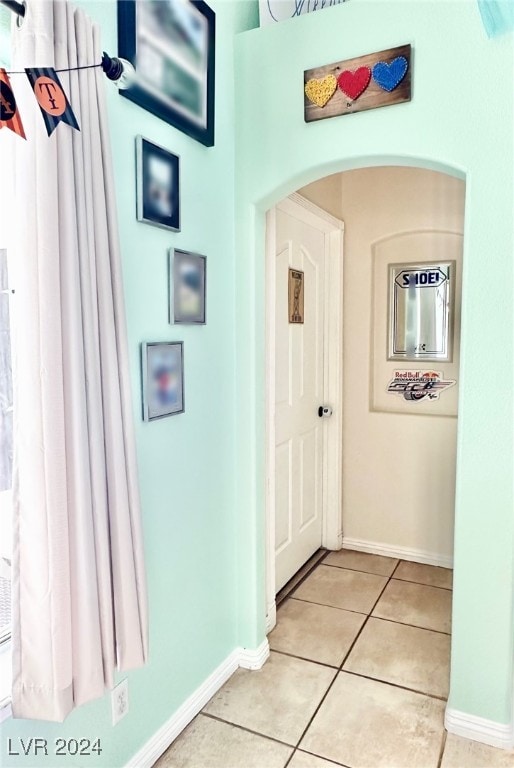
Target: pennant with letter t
[51,98]
[9,115]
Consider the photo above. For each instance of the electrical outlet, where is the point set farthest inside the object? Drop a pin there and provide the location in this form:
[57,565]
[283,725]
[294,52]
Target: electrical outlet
[119,701]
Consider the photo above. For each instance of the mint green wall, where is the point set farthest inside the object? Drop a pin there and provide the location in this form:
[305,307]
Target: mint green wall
[205,546]
[186,463]
[460,120]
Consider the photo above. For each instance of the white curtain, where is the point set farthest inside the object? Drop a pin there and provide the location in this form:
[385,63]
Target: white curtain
[79,588]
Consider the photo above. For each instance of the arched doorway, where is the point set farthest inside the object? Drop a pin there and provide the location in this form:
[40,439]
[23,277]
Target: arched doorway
[398,461]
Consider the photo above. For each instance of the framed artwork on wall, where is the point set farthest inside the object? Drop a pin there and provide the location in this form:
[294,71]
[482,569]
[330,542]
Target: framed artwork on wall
[158,185]
[187,273]
[162,367]
[421,311]
[171,43]
[296,296]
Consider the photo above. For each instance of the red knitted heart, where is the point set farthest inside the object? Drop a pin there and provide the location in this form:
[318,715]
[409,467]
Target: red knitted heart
[353,83]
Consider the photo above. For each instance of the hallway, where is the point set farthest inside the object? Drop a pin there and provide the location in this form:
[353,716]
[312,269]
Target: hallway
[357,677]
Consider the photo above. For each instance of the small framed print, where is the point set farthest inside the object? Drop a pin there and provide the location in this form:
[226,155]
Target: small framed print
[158,185]
[296,297]
[162,365]
[187,287]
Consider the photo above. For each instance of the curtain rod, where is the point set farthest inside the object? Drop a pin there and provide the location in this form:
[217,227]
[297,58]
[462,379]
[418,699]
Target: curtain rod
[120,71]
[15,7]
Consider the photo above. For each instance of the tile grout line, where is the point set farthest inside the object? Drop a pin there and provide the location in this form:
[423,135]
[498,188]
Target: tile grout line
[396,568]
[421,584]
[328,759]
[413,626]
[395,685]
[443,747]
[382,618]
[317,709]
[293,753]
[295,749]
[373,573]
[354,570]
[360,674]
[304,658]
[322,559]
[246,729]
[325,605]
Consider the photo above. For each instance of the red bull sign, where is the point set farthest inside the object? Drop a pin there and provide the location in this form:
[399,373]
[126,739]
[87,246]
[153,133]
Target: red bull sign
[419,385]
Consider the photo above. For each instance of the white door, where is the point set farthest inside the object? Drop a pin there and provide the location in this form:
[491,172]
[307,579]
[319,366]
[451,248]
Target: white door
[299,392]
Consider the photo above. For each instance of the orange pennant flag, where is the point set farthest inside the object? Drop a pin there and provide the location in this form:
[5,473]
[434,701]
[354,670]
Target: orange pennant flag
[9,115]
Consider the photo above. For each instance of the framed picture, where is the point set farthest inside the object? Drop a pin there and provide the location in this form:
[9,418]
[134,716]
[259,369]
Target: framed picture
[158,185]
[421,308]
[296,300]
[171,44]
[187,287]
[162,365]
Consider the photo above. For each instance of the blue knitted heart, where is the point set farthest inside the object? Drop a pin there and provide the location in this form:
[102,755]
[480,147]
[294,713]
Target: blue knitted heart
[389,76]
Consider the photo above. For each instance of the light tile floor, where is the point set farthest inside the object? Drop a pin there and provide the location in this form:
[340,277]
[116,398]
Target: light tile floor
[357,677]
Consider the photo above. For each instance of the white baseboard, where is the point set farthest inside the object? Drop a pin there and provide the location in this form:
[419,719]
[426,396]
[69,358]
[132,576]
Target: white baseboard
[161,740]
[254,658]
[335,544]
[479,729]
[401,553]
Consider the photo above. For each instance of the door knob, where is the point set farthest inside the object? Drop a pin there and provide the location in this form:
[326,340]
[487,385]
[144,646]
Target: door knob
[324,411]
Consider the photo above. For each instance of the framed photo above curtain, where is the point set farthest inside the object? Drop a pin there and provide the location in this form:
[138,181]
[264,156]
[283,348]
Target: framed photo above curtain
[162,366]
[187,287]
[171,43]
[158,185]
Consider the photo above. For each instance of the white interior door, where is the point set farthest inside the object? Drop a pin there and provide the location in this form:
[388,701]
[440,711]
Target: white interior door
[299,392]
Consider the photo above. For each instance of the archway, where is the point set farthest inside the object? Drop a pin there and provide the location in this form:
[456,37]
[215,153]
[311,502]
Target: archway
[421,208]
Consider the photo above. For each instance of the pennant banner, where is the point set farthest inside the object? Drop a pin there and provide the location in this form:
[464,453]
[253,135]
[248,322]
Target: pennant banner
[51,98]
[9,115]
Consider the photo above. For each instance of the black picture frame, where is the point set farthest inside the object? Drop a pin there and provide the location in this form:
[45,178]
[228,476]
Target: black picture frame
[187,287]
[157,185]
[193,84]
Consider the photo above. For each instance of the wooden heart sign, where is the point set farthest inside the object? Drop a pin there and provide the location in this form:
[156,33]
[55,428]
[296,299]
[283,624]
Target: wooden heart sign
[320,92]
[356,85]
